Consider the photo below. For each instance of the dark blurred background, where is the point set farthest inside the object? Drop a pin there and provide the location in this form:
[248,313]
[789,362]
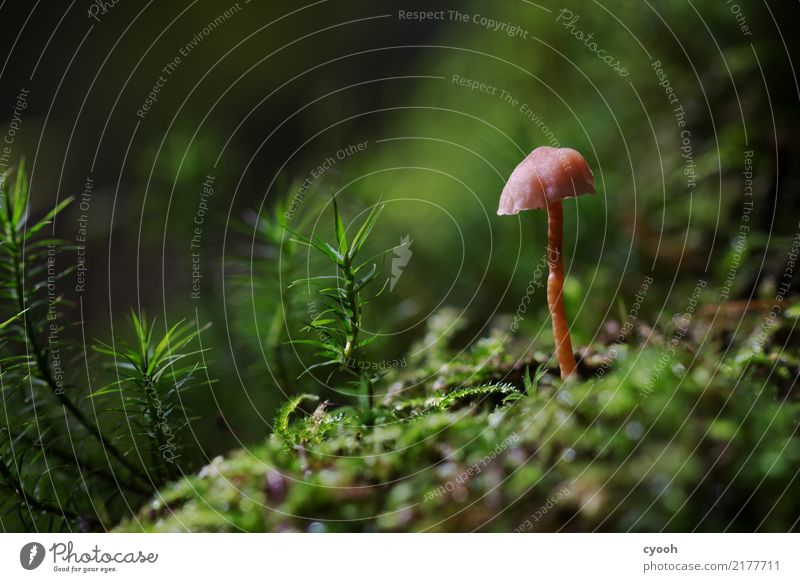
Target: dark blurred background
[264,93]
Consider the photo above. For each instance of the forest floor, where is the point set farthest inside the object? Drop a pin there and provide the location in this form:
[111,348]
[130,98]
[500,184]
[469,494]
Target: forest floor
[664,432]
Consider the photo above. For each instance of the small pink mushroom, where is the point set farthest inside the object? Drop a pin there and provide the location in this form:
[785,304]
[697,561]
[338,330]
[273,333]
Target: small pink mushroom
[544,178]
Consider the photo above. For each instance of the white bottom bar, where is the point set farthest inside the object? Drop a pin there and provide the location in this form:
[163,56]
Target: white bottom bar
[399,557]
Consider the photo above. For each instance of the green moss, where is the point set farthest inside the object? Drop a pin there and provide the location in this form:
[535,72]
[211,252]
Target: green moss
[686,445]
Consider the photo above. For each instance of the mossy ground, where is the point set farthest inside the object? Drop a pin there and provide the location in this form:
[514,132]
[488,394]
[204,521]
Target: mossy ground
[687,439]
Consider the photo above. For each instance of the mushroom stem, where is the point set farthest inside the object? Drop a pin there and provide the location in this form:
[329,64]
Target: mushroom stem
[555,288]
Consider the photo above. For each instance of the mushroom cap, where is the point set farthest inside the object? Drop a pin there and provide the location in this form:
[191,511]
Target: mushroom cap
[546,175]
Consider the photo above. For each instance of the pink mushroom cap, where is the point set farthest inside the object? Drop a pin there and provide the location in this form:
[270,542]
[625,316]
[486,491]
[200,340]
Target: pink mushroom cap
[546,175]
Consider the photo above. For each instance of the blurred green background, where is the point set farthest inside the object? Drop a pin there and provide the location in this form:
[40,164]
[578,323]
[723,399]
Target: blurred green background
[278,88]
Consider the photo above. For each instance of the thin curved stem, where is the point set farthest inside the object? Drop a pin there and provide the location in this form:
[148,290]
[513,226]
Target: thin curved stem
[555,288]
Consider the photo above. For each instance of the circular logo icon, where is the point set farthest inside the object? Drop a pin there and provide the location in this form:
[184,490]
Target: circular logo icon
[31,555]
